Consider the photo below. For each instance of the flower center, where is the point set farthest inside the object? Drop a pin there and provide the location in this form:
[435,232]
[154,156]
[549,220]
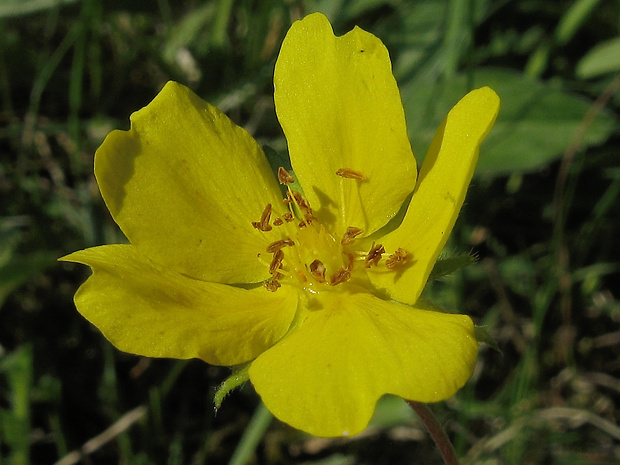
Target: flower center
[306,254]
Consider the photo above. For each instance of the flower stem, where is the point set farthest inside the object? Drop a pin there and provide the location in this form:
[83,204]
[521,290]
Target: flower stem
[436,432]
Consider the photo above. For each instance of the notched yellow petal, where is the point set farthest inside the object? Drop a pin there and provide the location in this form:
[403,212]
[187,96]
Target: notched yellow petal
[340,108]
[185,183]
[326,376]
[146,309]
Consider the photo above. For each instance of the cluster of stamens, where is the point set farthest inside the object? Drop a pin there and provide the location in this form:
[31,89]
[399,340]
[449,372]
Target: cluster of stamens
[316,273]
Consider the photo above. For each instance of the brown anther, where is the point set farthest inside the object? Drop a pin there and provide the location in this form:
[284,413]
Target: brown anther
[278,222]
[317,270]
[272,284]
[374,255]
[284,176]
[339,277]
[263,224]
[397,257]
[350,174]
[298,199]
[351,261]
[288,217]
[276,263]
[349,236]
[277,245]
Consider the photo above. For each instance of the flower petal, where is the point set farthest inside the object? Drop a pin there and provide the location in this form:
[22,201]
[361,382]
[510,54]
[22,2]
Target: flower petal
[185,183]
[145,309]
[440,191]
[326,377]
[339,106]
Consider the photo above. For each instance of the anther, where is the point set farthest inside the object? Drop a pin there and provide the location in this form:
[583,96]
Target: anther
[397,257]
[263,224]
[317,270]
[276,263]
[272,284]
[350,174]
[339,277]
[284,176]
[298,199]
[288,217]
[277,245]
[374,255]
[351,261]
[349,236]
[278,222]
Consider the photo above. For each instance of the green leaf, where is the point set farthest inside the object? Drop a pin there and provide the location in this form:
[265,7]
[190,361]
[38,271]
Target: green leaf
[602,59]
[15,8]
[20,268]
[537,120]
[16,368]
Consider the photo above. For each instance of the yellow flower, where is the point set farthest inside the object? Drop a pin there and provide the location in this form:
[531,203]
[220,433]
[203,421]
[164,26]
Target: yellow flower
[320,292]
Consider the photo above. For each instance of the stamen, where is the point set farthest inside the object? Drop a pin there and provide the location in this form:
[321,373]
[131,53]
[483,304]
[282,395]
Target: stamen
[308,218]
[276,263]
[263,224]
[298,199]
[399,256]
[272,284]
[349,236]
[284,176]
[278,222]
[288,217]
[351,261]
[374,255]
[339,277]
[317,269]
[351,174]
[277,245]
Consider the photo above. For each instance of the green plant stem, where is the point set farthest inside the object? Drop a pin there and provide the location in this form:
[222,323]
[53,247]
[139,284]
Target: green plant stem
[252,436]
[436,432]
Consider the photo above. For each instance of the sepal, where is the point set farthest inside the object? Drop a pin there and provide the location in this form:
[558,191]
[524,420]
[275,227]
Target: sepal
[448,265]
[239,376]
[483,336]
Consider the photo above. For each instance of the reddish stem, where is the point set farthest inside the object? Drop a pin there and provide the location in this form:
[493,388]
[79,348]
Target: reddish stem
[436,432]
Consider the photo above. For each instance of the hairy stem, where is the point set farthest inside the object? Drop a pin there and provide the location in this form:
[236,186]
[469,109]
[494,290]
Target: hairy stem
[436,432]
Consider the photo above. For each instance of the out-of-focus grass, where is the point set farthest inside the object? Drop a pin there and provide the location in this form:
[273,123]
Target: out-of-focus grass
[542,216]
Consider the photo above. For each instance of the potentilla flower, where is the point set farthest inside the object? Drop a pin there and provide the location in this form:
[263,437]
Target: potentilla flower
[310,277]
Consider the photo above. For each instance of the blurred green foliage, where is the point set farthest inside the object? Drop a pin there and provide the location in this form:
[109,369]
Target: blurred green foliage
[542,217]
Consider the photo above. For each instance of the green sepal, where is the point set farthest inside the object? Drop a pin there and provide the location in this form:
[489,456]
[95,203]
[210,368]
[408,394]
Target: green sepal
[448,265]
[483,336]
[240,375]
